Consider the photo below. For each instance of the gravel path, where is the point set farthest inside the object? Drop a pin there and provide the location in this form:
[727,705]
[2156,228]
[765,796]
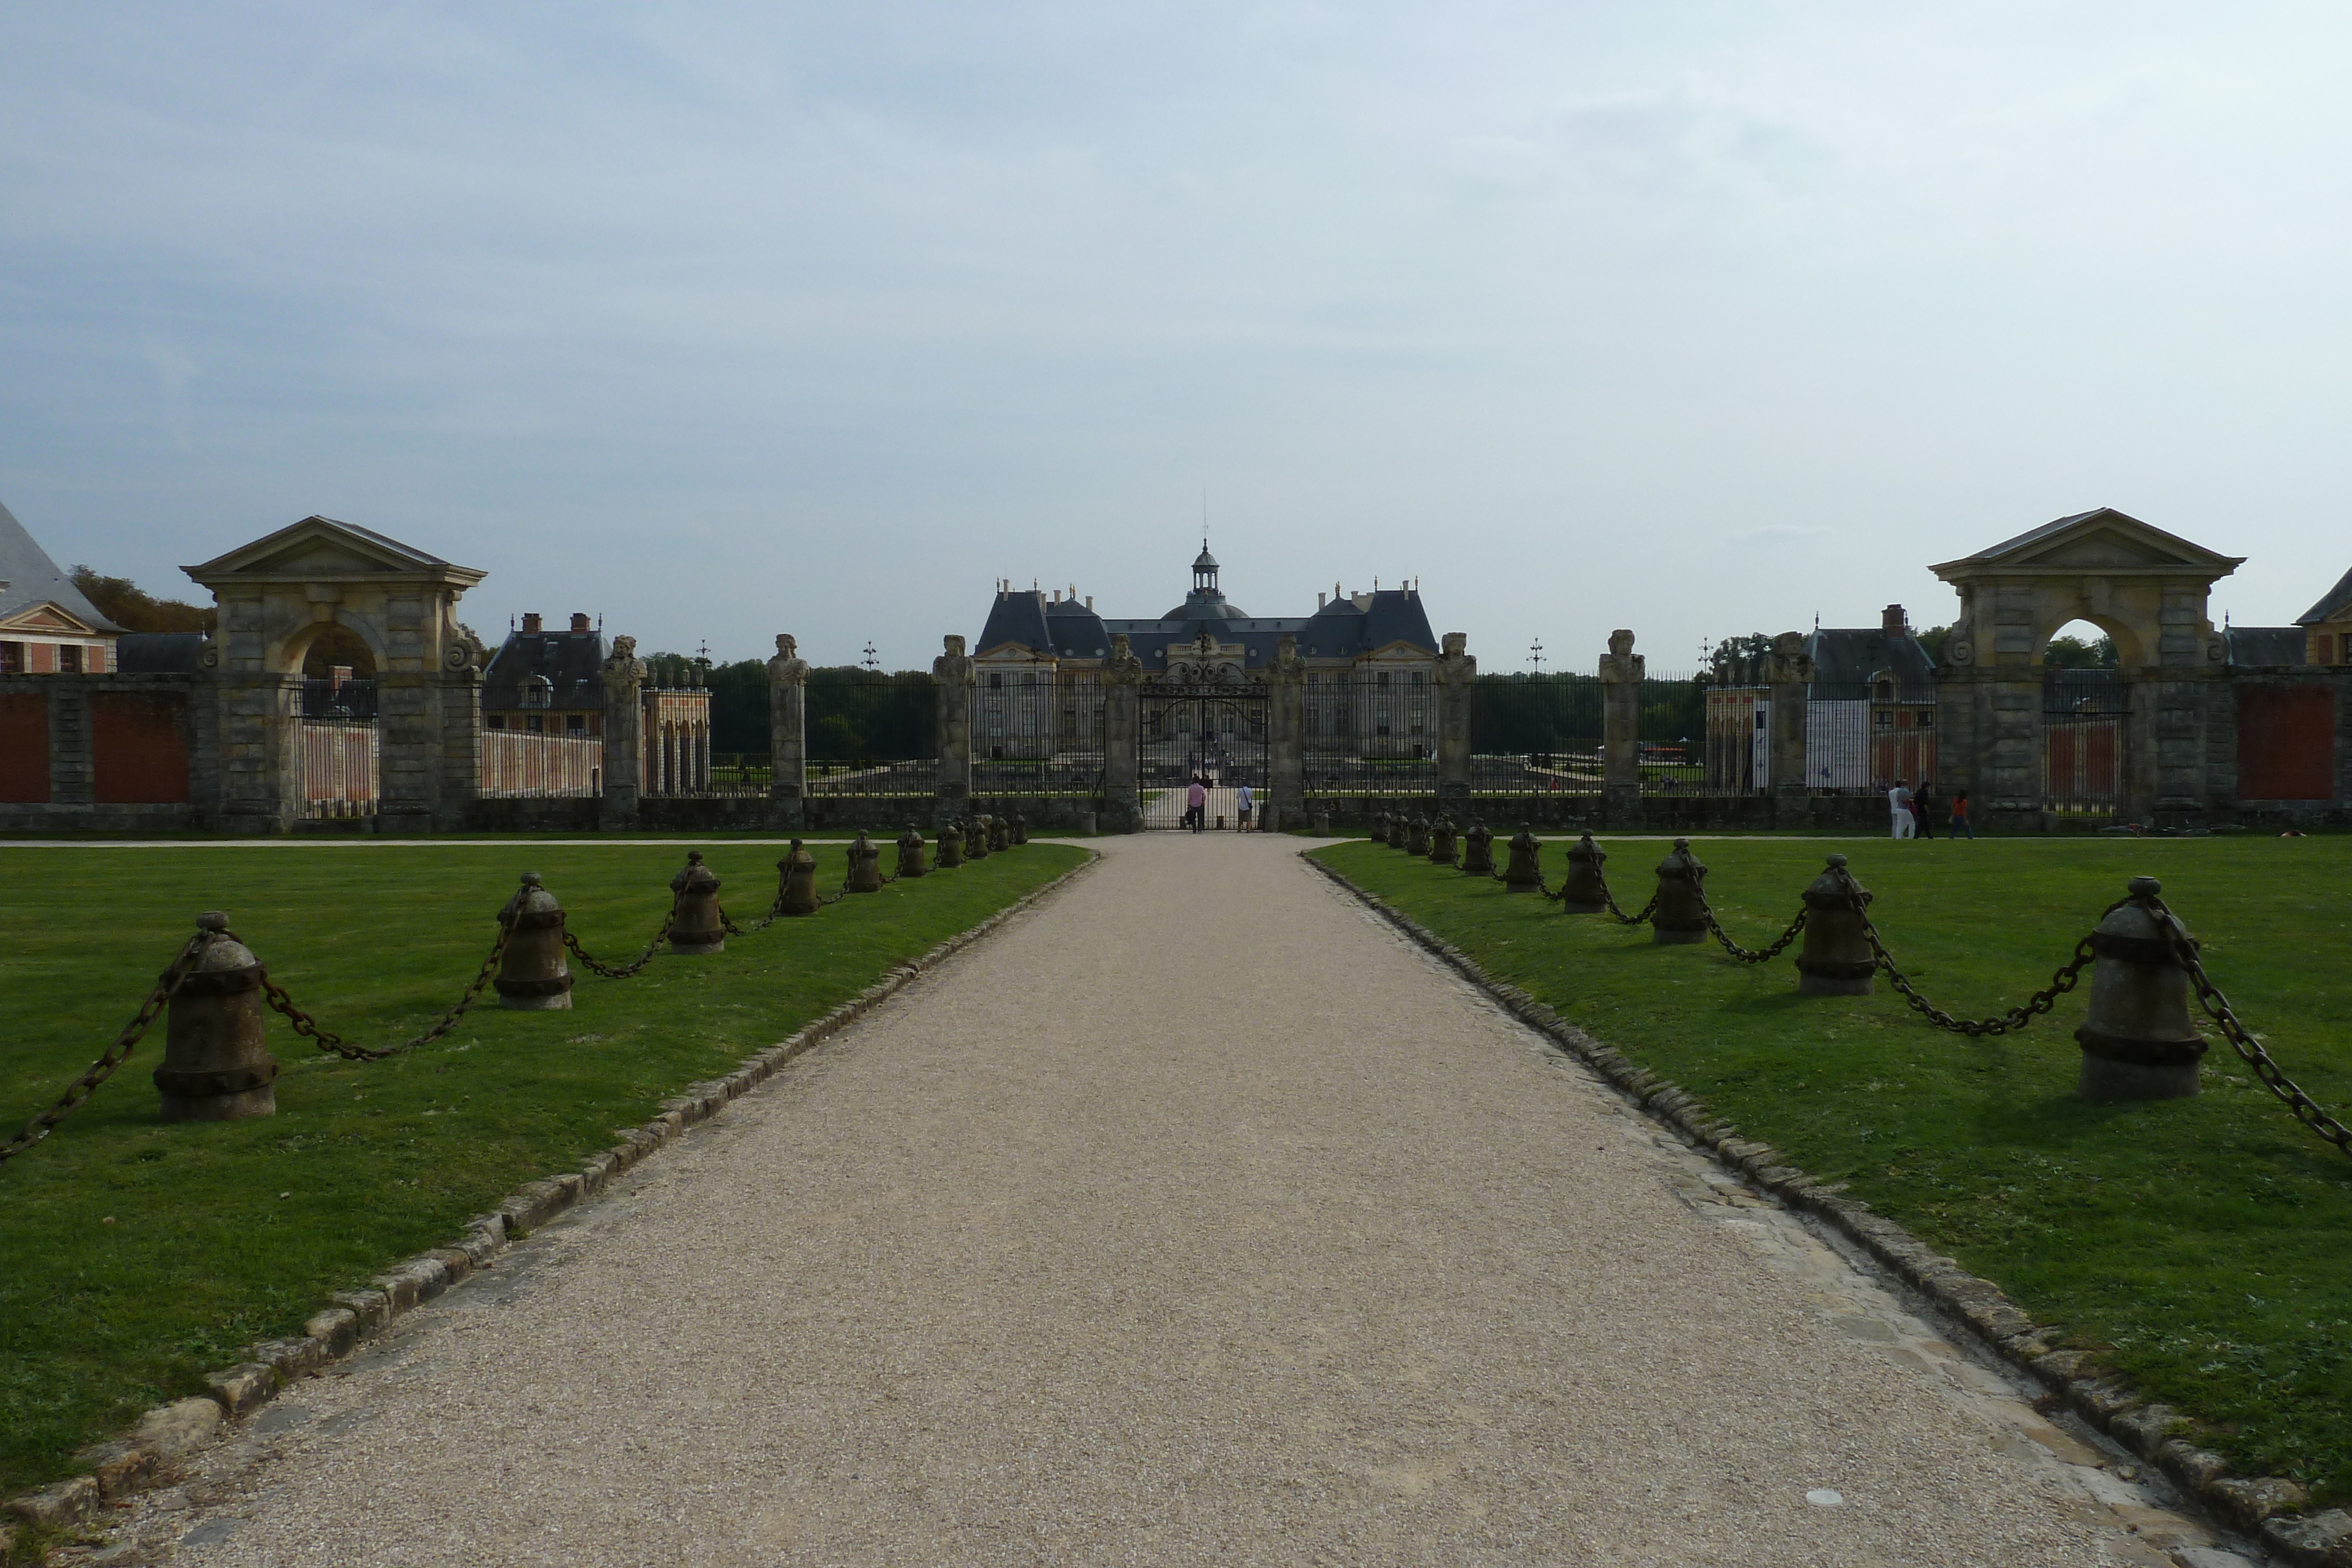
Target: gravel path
[1194,1217]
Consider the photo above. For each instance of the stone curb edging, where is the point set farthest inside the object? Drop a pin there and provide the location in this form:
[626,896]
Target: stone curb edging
[166,1436]
[2263,1506]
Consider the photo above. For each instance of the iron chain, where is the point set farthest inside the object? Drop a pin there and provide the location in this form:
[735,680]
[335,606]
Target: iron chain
[328,1040]
[99,1072]
[2040,1001]
[1751,955]
[622,971]
[2216,1008]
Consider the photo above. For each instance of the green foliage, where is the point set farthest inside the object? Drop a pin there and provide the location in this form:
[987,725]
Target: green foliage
[133,609]
[2074,653]
[739,706]
[1739,661]
[134,1256]
[2201,1247]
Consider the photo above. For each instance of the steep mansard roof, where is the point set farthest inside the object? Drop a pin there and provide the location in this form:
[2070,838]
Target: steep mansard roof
[1344,628]
[32,578]
[573,663]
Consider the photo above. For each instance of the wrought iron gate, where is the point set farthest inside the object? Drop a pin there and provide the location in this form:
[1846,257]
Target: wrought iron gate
[2086,743]
[1214,733]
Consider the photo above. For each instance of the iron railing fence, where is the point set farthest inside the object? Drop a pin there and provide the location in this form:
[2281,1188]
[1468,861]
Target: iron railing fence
[341,773]
[1037,731]
[2085,742]
[1370,738]
[1672,732]
[325,699]
[872,734]
[1535,737]
[522,765]
[1862,738]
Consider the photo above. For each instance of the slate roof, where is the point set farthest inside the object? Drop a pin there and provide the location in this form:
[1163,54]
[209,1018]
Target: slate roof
[2335,602]
[1851,656]
[158,652]
[572,661]
[2253,646]
[32,578]
[2189,548]
[1344,628]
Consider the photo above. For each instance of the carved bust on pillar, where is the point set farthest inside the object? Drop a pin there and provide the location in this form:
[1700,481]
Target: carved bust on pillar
[624,667]
[1787,665]
[787,668]
[1621,662]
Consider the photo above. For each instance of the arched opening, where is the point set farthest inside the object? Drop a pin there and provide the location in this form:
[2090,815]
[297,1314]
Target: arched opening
[2079,645]
[2085,721]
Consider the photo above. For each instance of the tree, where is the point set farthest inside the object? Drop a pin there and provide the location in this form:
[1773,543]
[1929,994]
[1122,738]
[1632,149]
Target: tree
[2074,653]
[1935,639]
[133,609]
[1739,661]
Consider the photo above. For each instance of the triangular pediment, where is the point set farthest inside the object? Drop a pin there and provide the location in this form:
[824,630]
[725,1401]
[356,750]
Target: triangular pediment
[50,617]
[323,548]
[2102,541]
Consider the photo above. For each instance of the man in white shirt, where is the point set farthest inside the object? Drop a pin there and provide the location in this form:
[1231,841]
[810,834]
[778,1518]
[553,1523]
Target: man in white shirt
[1898,803]
[1243,801]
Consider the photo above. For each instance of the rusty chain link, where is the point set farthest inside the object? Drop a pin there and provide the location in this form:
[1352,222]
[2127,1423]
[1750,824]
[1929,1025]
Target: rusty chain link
[328,1040]
[1610,899]
[2018,1017]
[622,971]
[2217,1007]
[1751,955]
[79,1093]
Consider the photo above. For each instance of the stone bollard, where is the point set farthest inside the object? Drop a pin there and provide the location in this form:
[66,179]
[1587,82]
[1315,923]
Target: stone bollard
[533,975]
[1835,960]
[693,926]
[1088,824]
[1525,871]
[2139,1041]
[1381,827]
[1681,916]
[976,839]
[1478,850]
[1399,830]
[1585,892]
[1416,837]
[911,853]
[1020,826]
[796,893]
[216,1061]
[865,864]
[1443,849]
[951,847]
[1320,823]
[1000,834]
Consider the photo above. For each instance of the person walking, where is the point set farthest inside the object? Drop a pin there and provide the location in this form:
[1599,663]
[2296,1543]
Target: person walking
[1197,804]
[1241,804]
[1961,823]
[1898,808]
[1923,807]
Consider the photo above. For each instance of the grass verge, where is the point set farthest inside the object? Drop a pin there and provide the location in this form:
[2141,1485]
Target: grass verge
[135,1257]
[2203,1247]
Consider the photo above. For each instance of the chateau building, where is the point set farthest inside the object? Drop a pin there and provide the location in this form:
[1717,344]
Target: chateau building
[46,626]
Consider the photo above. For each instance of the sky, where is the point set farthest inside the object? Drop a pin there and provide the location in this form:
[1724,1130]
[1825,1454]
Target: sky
[718,321]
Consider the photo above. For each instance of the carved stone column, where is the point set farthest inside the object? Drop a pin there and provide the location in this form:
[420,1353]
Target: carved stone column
[1789,675]
[1122,810]
[1458,682]
[1621,731]
[624,735]
[788,676]
[1286,736]
[952,729]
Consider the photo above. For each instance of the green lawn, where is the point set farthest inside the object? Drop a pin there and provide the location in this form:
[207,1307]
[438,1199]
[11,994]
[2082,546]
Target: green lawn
[134,1257]
[2202,1247]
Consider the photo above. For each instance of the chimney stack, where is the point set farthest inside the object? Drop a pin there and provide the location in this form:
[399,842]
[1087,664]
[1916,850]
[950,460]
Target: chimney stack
[580,620]
[530,624]
[1893,623]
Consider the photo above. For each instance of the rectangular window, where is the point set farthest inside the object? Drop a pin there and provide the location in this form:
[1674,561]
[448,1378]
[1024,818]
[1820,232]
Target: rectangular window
[494,721]
[69,659]
[575,724]
[12,658]
[535,723]
[995,681]
[1380,680]
[1421,678]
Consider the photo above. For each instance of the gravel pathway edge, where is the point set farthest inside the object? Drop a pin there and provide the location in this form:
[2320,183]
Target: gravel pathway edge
[152,1453]
[2264,1507]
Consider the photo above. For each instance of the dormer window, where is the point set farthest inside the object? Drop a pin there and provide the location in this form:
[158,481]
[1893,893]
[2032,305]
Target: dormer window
[537,691]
